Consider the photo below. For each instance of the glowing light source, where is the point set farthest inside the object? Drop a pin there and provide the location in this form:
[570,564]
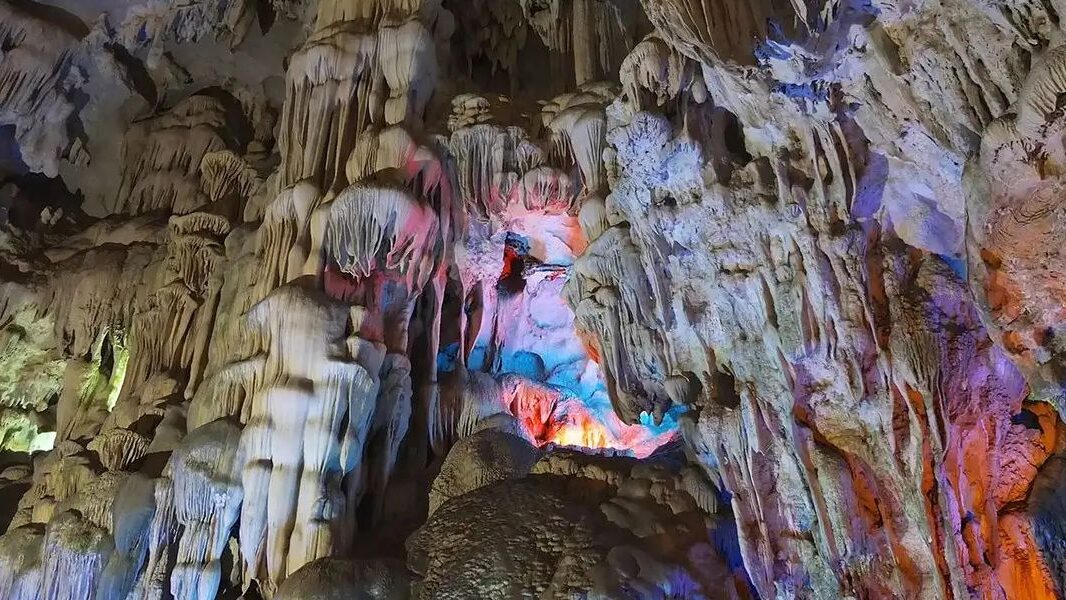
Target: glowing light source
[43,442]
[582,429]
[549,415]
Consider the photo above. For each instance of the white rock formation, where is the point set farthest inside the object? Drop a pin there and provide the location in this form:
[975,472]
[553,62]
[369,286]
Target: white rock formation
[588,298]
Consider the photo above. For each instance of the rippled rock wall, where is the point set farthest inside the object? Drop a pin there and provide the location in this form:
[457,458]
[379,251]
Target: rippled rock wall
[531,298]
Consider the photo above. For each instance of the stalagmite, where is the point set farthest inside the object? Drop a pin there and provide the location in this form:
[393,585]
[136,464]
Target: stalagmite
[481,459]
[207,499]
[20,556]
[567,554]
[73,545]
[132,515]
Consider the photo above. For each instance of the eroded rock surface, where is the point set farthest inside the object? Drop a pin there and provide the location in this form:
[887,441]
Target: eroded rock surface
[531,298]
[573,527]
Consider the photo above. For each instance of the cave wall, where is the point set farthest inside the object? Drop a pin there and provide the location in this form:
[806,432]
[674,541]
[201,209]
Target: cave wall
[531,298]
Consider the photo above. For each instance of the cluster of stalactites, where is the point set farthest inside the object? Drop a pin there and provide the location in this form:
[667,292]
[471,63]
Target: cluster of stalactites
[499,166]
[655,70]
[257,261]
[419,164]
[128,310]
[87,514]
[489,160]
[170,330]
[314,403]
[593,32]
[614,300]
[224,21]
[94,290]
[36,77]
[307,400]
[373,13]
[622,305]
[225,175]
[163,157]
[792,311]
[76,518]
[35,58]
[578,130]
[1013,210]
[58,477]
[229,20]
[333,91]
[515,185]
[381,226]
[195,252]
[396,155]
[494,31]
[207,494]
[355,70]
[712,31]
[282,244]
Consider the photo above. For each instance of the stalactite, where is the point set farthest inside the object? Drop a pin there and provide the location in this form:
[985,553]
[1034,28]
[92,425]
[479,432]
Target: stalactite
[821,240]
[164,153]
[207,499]
[38,78]
[372,220]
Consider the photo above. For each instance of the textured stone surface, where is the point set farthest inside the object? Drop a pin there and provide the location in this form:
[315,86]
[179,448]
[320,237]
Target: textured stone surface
[576,527]
[589,298]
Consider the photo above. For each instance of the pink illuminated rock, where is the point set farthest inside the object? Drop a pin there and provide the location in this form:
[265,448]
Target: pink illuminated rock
[531,298]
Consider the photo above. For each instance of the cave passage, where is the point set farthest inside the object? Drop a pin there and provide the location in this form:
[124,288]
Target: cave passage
[524,336]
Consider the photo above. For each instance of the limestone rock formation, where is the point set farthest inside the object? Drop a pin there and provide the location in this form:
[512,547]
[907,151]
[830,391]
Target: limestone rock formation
[531,299]
[573,527]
